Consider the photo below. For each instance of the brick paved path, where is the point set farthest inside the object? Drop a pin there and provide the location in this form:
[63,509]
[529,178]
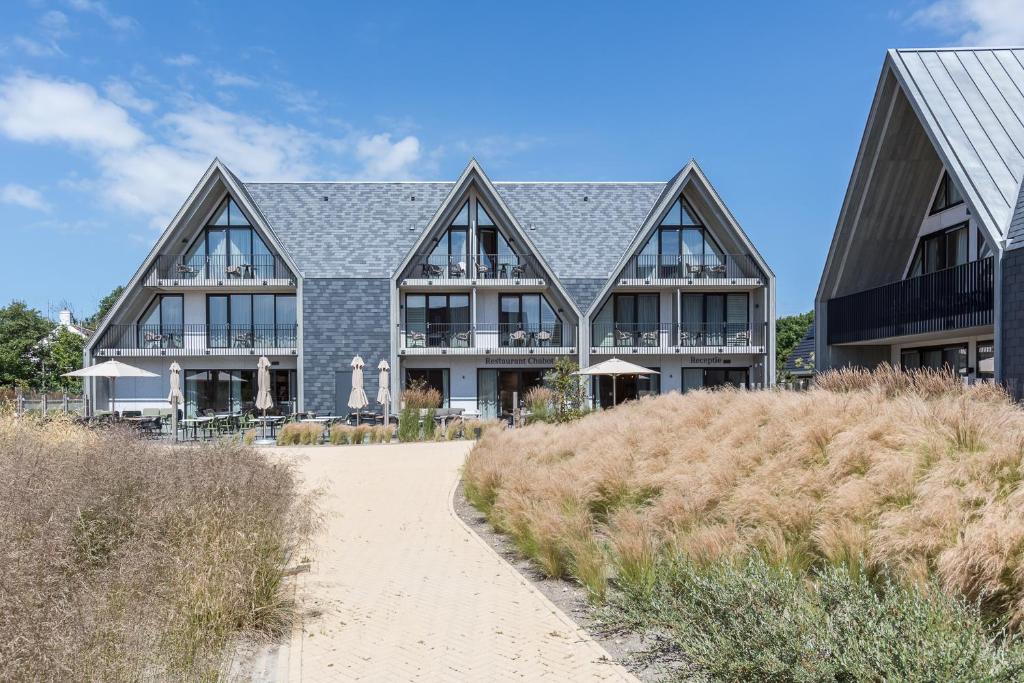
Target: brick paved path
[406,592]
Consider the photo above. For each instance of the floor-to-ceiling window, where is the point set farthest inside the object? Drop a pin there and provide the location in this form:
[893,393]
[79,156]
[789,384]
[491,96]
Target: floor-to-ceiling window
[234,391]
[681,247]
[229,247]
[940,250]
[527,320]
[715,320]
[637,319]
[626,388]
[986,369]
[498,390]
[437,321]
[438,379]
[949,357]
[251,320]
[162,324]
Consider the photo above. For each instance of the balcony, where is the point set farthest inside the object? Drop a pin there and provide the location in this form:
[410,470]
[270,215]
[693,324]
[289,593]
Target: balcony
[264,270]
[951,299]
[493,338]
[718,270]
[198,340]
[660,338]
[489,270]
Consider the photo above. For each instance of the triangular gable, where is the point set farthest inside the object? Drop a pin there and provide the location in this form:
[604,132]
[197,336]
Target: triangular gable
[206,185]
[690,174]
[473,173]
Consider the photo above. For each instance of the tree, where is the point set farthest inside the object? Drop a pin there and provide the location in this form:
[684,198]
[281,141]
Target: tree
[21,329]
[789,330]
[569,395]
[106,303]
[59,353]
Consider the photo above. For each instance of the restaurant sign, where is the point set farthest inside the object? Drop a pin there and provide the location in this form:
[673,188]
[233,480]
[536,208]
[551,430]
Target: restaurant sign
[520,360]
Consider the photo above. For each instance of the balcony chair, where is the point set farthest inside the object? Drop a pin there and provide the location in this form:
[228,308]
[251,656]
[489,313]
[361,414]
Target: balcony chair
[649,338]
[518,271]
[242,340]
[482,269]
[694,270]
[153,340]
[543,338]
[432,270]
[416,340]
[457,269]
[461,339]
[741,338]
[717,270]
[623,338]
[185,270]
[517,338]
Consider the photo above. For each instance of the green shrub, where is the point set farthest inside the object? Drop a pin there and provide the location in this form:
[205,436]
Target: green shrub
[299,434]
[359,434]
[757,622]
[429,426]
[409,424]
[340,435]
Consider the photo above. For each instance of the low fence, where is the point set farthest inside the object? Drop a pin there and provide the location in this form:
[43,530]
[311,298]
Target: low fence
[52,403]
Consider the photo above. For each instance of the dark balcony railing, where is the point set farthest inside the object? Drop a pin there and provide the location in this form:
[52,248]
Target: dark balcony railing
[199,338]
[691,267]
[465,335]
[670,335]
[950,299]
[221,268]
[482,267]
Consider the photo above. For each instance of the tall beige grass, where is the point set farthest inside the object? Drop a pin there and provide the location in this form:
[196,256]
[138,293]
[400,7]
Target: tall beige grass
[121,560]
[908,476]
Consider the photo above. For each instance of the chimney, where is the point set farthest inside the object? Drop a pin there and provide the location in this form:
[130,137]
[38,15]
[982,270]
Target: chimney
[65,317]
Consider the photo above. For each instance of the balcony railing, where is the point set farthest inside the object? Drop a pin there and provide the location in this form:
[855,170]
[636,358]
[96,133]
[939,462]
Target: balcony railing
[501,335]
[678,335]
[184,339]
[223,269]
[691,267]
[950,299]
[482,267]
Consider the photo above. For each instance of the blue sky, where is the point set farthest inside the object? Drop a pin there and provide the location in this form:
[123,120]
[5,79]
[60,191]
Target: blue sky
[110,111]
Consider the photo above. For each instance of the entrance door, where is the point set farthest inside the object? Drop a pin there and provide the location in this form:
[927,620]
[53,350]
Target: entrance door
[513,383]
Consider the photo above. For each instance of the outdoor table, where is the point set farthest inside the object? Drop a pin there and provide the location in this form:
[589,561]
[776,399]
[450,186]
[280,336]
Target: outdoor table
[194,422]
[269,421]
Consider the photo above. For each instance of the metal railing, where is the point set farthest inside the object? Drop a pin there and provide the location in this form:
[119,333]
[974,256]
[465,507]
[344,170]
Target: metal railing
[465,335]
[691,267]
[222,268]
[671,335]
[481,267]
[199,338]
[955,298]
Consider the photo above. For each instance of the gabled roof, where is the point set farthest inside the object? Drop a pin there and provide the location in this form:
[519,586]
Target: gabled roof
[691,173]
[971,101]
[365,229]
[804,350]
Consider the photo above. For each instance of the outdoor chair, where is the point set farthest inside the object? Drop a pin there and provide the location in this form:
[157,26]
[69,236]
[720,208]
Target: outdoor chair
[717,270]
[518,271]
[482,269]
[187,270]
[694,269]
[649,338]
[517,338]
[132,413]
[543,338]
[416,339]
[243,340]
[461,339]
[457,269]
[623,337]
[153,340]
[432,270]
[741,338]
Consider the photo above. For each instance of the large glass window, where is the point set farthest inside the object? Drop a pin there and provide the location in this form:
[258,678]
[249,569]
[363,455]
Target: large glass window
[162,326]
[947,195]
[451,252]
[437,320]
[681,247]
[715,320]
[986,369]
[626,388]
[527,320]
[637,319]
[229,248]
[431,378]
[217,392]
[498,390]
[250,321]
[952,358]
[941,250]
[709,378]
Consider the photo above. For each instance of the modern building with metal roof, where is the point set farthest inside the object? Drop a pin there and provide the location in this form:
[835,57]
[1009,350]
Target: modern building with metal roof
[471,286]
[925,264]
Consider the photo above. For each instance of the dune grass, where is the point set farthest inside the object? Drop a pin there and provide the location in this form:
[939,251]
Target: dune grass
[123,560]
[906,480]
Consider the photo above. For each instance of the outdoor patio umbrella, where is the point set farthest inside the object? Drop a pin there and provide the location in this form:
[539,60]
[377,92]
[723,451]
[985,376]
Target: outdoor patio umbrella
[175,397]
[383,392]
[357,399]
[112,369]
[613,367]
[263,397]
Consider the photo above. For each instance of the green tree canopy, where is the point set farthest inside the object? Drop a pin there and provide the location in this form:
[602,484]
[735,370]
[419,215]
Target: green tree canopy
[106,303]
[789,330]
[59,353]
[21,329]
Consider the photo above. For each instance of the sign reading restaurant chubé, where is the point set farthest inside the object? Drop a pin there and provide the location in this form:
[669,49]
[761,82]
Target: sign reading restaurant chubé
[520,360]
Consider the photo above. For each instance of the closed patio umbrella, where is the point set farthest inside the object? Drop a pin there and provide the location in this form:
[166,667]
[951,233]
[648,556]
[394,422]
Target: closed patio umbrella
[175,397]
[263,397]
[383,390]
[112,369]
[614,367]
[357,398]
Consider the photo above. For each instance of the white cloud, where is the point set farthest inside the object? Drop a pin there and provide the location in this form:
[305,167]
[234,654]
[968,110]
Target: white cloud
[385,160]
[55,24]
[34,48]
[122,93]
[182,60]
[975,22]
[118,22]
[23,196]
[42,110]
[227,79]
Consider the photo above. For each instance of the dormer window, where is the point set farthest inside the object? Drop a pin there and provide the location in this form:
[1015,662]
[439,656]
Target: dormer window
[940,250]
[947,195]
[228,248]
[451,252]
[473,246]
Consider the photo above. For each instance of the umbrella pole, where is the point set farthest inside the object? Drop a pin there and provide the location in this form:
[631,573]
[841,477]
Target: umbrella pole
[113,399]
[615,382]
[174,418]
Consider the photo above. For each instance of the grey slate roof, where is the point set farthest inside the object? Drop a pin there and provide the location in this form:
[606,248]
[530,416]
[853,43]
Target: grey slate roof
[972,100]
[803,350]
[366,229]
